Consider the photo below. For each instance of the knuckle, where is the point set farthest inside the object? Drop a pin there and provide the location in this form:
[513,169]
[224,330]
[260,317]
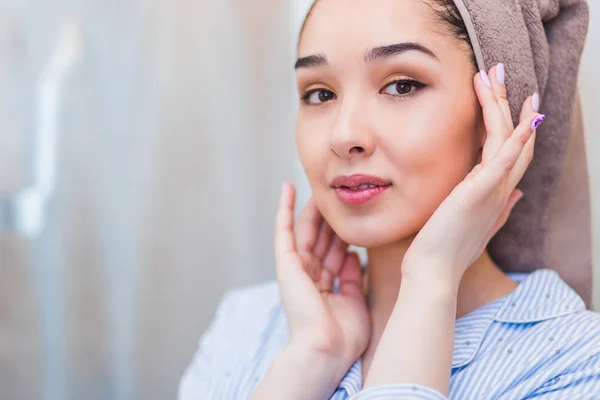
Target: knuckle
[305,244]
[523,137]
[508,164]
[501,95]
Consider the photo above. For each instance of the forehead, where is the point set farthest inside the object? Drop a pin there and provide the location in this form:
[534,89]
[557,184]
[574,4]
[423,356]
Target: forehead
[348,26]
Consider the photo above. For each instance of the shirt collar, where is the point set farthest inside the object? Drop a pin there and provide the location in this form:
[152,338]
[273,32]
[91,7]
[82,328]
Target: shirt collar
[540,295]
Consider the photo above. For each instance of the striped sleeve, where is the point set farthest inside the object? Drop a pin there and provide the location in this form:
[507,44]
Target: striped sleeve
[195,383]
[579,383]
[399,391]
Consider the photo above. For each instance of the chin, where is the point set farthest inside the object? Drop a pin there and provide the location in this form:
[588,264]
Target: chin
[372,231]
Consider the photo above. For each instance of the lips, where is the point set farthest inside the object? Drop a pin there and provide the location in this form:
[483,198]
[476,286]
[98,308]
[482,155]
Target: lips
[356,181]
[359,189]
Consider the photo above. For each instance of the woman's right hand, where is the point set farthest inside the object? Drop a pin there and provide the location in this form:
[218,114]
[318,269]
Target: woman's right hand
[309,257]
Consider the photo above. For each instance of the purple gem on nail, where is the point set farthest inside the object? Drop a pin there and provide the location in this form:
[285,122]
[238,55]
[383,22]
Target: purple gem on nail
[538,121]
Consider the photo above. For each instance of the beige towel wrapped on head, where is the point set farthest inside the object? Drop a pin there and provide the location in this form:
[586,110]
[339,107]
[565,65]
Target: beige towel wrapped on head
[540,43]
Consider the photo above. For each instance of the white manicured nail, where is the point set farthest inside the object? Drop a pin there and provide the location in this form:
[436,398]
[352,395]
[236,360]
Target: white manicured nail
[485,78]
[535,102]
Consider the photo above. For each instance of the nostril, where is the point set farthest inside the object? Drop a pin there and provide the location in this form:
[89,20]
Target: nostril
[357,149]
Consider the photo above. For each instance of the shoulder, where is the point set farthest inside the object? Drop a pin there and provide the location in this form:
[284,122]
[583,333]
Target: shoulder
[247,306]
[574,372]
[259,294]
[227,351]
[244,312]
[581,331]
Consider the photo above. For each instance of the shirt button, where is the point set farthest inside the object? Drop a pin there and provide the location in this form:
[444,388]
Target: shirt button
[414,388]
[557,352]
[551,339]
[509,351]
[500,339]
[468,343]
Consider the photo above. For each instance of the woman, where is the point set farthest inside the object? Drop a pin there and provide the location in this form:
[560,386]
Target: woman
[411,153]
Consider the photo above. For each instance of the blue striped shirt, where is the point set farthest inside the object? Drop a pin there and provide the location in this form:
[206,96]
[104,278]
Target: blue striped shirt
[538,342]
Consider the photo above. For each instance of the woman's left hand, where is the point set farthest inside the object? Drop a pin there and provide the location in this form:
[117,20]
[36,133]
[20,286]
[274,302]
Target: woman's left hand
[459,230]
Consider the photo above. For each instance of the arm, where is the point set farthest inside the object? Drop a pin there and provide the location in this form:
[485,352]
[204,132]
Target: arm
[299,374]
[420,329]
[328,330]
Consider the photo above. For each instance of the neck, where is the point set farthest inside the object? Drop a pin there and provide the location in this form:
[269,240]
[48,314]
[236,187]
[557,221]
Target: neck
[482,283]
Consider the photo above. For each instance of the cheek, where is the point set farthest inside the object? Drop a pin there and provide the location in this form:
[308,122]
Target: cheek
[431,148]
[311,142]
[431,154]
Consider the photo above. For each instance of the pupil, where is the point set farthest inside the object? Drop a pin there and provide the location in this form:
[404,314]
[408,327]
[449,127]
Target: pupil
[324,96]
[403,87]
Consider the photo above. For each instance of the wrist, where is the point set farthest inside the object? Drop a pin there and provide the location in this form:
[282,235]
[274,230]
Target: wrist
[308,356]
[429,288]
[297,374]
[431,276]
[318,369]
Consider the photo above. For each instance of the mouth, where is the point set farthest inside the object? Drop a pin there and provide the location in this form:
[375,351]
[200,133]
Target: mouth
[359,189]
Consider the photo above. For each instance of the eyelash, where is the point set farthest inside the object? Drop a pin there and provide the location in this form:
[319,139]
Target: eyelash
[416,84]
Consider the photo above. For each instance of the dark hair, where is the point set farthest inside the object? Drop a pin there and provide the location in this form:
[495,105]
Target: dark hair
[447,13]
[453,23]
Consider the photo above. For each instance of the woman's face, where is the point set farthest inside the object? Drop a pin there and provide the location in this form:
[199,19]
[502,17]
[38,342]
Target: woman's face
[388,102]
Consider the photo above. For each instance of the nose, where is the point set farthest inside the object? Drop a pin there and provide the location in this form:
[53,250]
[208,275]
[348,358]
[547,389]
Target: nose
[351,135]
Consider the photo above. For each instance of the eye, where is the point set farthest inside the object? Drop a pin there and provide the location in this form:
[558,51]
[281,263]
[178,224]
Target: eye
[318,96]
[402,88]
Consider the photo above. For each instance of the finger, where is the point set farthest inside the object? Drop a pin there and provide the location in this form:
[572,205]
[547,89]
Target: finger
[528,109]
[493,117]
[323,241]
[501,167]
[307,227]
[474,171]
[515,196]
[497,78]
[530,105]
[284,224]
[350,276]
[335,255]
[523,162]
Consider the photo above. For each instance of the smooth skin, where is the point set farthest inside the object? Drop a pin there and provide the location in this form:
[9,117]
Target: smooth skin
[454,175]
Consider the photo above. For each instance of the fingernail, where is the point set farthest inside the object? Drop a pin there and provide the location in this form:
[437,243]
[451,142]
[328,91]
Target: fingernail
[500,73]
[537,122]
[283,185]
[535,102]
[485,78]
[520,196]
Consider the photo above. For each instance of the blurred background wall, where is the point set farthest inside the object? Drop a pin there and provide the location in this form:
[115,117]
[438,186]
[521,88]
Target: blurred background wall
[173,132]
[173,135]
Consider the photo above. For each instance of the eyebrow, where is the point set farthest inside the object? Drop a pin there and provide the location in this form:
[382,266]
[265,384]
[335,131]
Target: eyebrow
[392,50]
[376,53]
[315,60]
